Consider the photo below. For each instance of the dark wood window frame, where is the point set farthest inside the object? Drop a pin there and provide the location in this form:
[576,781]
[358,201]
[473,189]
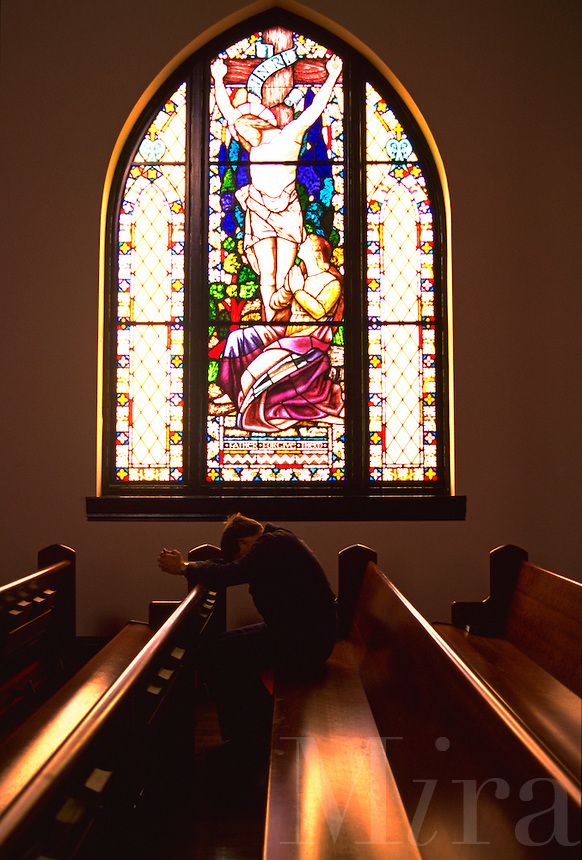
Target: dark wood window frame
[356,498]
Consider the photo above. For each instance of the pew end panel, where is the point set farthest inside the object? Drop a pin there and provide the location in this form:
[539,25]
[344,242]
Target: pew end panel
[217,621]
[37,633]
[59,554]
[489,617]
[352,563]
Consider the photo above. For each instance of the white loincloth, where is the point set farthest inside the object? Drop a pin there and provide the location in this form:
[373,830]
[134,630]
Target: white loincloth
[270,217]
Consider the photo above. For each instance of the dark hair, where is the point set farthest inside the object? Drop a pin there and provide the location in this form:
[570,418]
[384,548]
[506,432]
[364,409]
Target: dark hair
[236,527]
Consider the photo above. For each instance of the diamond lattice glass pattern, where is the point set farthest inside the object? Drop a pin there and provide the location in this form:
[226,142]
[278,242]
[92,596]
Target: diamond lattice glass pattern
[276,392]
[150,333]
[401,338]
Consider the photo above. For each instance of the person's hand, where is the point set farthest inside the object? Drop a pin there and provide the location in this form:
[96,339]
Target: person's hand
[334,66]
[218,70]
[295,280]
[171,561]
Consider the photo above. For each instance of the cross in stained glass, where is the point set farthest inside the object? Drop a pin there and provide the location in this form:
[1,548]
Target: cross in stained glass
[274,80]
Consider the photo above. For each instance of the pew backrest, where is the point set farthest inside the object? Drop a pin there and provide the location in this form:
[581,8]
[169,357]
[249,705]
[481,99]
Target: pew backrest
[540,612]
[545,622]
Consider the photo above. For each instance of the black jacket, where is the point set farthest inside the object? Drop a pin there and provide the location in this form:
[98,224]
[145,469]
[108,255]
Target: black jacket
[289,588]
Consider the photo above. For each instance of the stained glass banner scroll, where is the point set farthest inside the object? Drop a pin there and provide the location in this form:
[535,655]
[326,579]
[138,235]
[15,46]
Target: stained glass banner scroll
[150,304]
[275,349]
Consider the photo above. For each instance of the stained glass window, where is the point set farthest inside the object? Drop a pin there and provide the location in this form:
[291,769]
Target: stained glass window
[278,280]
[276,399]
[150,304]
[401,340]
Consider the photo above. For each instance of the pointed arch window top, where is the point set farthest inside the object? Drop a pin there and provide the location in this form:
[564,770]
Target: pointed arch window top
[277,294]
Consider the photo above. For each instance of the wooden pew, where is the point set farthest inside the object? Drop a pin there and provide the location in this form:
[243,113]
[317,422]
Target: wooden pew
[523,641]
[331,790]
[537,612]
[25,750]
[37,633]
[82,799]
[474,782]
[471,776]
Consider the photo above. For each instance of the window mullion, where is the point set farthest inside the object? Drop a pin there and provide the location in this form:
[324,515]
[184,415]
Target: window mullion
[196,389]
[356,335]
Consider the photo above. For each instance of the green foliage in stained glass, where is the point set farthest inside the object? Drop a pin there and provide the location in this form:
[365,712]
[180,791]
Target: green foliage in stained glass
[231,264]
[246,277]
[228,183]
[217,291]
[338,338]
[249,291]
[303,197]
[212,370]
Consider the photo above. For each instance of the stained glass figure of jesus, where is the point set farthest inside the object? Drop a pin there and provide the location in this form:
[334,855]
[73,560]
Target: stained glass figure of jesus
[274,226]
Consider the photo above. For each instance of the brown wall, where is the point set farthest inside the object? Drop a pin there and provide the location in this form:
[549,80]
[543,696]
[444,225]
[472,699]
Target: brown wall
[499,85]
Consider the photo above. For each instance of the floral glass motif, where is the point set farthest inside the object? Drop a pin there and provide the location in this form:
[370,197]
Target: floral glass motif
[401,337]
[150,304]
[275,349]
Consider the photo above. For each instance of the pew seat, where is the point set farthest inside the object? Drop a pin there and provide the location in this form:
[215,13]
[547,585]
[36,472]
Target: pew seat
[331,790]
[548,709]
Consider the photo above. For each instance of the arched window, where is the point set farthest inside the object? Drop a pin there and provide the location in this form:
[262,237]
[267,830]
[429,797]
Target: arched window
[276,328]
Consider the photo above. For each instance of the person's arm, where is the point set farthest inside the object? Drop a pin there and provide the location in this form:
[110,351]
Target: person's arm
[218,70]
[215,574]
[299,126]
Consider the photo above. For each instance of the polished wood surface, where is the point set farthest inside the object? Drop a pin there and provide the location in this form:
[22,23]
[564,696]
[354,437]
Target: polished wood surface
[37,633]
[547,709]
[30,747]
[97,775]
[331,791]
[538,611]
[545,622]
[464,765]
